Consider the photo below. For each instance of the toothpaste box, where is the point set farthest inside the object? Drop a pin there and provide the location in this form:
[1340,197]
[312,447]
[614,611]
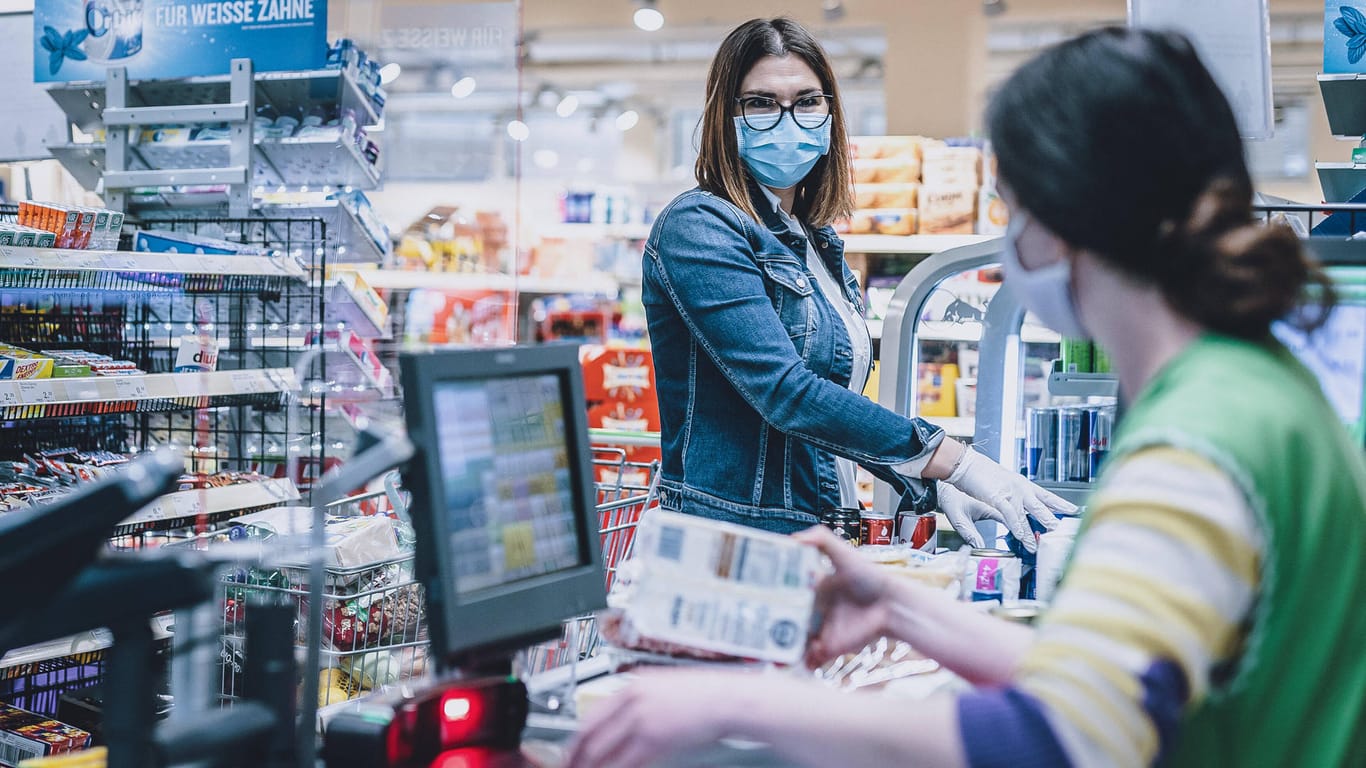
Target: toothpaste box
[719,588]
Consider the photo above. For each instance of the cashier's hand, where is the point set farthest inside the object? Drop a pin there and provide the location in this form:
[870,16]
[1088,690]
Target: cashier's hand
[1012,497]
[851,601]
[663,712]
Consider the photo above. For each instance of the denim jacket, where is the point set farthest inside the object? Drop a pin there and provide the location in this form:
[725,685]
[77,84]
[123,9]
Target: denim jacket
[752,365]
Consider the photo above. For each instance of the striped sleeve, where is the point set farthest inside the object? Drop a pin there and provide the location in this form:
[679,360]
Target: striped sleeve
[1156,597]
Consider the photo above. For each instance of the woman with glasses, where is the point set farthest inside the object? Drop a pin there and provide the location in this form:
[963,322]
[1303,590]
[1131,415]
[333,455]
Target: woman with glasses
[760,345]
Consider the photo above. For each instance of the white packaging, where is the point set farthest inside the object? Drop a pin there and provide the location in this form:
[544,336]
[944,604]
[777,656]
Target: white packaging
[197,354]
[720,588]
[1055,547]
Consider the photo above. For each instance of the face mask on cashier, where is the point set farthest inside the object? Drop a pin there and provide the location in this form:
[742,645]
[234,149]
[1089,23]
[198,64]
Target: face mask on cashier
[781,156]
[1047,291]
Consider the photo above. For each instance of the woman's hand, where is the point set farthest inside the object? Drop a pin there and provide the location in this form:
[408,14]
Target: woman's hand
[661,713]
[851,601]
[1010,494]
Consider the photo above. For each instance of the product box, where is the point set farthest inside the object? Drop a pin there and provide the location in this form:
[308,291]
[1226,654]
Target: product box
[948,210]
[355,303]
[884,221]
[951,167]
[26,735]
[903,195]
[992,214]
[27,365]
[350,542]
[160,241]
[718,588]
[886,171]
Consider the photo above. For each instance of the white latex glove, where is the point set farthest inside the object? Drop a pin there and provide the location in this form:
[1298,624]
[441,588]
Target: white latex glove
[1013,497]
[963,512]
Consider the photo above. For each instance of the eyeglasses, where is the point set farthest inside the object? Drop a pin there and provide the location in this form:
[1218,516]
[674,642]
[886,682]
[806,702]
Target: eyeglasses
[763,114]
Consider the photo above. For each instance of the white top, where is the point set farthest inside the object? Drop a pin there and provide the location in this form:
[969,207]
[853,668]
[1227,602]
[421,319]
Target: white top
[854,323]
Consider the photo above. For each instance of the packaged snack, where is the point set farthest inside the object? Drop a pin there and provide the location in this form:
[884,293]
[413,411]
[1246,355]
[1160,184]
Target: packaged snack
[884,221]
[879,171]
[26,735]
[903,195]
[703,587]
[951,167]
[948,210]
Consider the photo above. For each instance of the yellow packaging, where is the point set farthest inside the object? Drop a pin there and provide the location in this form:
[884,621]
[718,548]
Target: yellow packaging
[948,210]
[952,167]
[884,221]
[890,171]
[937,393]
[902,195]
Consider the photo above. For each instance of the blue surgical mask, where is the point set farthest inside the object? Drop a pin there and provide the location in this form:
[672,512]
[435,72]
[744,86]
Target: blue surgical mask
[782,156]
[1046,291]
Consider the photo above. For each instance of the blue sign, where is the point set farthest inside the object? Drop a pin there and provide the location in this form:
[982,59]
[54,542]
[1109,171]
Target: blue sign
[1344,36]
[82,39]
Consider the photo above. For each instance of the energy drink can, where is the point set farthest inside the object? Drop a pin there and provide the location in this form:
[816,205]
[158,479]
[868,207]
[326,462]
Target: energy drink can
[993,575]
[876,529]
[1074,446]
[1041,445]
[917,529]
[1102,423]
[846,523]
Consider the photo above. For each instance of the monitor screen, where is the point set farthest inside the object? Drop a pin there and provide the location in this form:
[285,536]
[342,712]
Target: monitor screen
[505,463]
[503,502]
[1336,355]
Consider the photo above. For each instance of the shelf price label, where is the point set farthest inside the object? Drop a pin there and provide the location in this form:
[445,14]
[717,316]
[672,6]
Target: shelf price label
[120,262]
[131,388]
[188,503]
[38,392]
[9,395]
[246,382]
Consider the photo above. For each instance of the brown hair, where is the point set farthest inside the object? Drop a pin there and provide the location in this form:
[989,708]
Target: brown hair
[1121,143]
[826,193]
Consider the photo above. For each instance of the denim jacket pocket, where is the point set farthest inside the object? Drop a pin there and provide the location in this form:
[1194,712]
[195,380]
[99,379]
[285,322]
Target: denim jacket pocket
[791,292]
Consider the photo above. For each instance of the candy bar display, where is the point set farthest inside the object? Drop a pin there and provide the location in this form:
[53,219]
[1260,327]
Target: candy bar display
[26,735]
[64,226]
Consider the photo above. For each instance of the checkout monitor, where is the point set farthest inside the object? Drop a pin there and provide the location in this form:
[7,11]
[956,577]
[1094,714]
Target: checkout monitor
[503,505]
[1336,353]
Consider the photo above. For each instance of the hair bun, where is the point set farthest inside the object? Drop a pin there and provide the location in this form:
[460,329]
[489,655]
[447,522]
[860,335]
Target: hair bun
[1234,275]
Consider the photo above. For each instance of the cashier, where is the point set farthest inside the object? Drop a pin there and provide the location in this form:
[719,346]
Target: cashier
[1210,614]
[760,346]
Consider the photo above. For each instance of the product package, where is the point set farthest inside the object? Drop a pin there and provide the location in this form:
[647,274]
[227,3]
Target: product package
[948,210]
[26,735]
[160,241]
[351,542]
[903,195]
[951,167]
[884,221]
[724,590]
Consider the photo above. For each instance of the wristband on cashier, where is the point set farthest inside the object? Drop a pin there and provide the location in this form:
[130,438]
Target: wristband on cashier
[960,467]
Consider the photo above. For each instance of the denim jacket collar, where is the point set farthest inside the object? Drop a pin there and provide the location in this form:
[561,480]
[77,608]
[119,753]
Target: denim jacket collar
[828,244]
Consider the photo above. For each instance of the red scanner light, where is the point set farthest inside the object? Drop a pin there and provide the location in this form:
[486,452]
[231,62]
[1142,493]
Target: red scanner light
[462,715]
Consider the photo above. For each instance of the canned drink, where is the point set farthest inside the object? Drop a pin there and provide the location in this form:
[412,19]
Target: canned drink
[846,523]
[1041,445]
[993,574]
[1102,424]
[1074,446]
[918,529]
[877,530]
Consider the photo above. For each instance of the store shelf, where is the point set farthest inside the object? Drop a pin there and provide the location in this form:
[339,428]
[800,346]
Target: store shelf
[137,272]
[142,393]
[1083,384]
[895,244]
[1341,181]
[355,242]
[406,280]
[288,92]
[354,303]
[289,163]
[1077,493]
[1344,99]
[186,506]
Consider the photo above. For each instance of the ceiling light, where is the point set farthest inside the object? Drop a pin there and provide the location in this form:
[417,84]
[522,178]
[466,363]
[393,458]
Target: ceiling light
[518,130]
[389,72]
[627,120]
[567,105]
[648,17]
[463,87]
